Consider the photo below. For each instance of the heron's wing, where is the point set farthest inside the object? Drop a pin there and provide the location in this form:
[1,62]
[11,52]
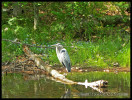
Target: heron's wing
[65,59]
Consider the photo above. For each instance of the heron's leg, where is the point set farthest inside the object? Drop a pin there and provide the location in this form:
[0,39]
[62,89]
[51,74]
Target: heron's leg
[65,73]
[70,74]
[65,77]
[65,86]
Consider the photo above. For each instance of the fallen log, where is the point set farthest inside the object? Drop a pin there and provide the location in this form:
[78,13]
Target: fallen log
[55,75]
[45,67]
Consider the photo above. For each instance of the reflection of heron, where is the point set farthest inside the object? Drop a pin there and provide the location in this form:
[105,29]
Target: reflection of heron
[67,94]
[63,56]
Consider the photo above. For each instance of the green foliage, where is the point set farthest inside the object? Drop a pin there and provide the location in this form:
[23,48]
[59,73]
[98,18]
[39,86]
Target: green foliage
[71,23]
[122,58]
[102,54]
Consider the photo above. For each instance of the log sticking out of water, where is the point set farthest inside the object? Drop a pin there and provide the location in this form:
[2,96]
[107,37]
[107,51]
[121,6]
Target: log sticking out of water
[40,64]
[94,85]
[99,83]
[56,75]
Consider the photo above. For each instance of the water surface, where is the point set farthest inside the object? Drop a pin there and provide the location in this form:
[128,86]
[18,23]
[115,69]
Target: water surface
[17,85]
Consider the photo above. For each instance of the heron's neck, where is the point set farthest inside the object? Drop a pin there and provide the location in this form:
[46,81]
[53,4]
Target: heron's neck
[58,49]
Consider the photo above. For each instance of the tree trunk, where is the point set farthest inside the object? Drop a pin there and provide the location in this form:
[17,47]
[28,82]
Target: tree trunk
[36,17]
[17,10]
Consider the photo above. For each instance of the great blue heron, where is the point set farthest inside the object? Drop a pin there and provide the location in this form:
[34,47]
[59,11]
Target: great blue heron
[63,56]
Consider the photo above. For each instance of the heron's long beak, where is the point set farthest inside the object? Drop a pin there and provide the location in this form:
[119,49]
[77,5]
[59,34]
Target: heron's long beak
[54,45]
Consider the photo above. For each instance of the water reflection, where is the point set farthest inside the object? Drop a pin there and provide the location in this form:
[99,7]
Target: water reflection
[40,86]
[67,94]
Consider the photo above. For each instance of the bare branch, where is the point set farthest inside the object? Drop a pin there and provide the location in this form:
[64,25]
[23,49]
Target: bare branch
[13,41]
[16,41]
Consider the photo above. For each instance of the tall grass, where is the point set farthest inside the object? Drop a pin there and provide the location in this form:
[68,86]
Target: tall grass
[103,53]
[99,54]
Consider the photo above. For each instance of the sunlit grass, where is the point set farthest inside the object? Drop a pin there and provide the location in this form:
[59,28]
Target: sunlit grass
[105,52]
[96,54]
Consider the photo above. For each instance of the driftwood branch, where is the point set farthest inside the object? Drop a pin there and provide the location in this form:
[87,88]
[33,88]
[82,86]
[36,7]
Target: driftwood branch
[16,42]
[45,67]
[55,75]
[30,45]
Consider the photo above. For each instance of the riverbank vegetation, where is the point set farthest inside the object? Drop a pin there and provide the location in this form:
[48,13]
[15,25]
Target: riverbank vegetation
[95,34]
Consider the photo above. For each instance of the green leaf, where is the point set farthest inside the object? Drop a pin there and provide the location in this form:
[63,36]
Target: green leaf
[5,4]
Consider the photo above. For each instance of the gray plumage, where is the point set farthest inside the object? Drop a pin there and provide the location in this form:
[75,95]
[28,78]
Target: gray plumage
[63,56]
